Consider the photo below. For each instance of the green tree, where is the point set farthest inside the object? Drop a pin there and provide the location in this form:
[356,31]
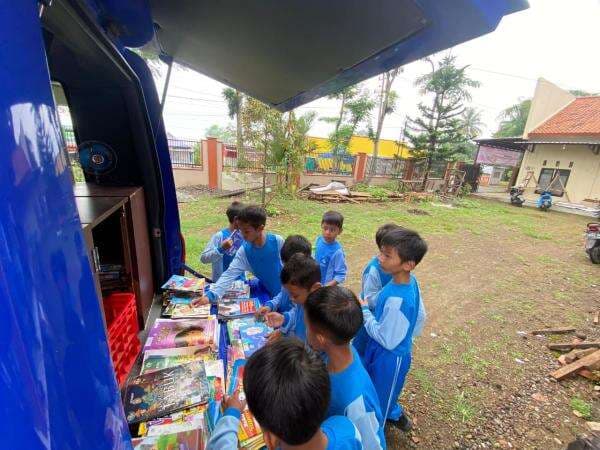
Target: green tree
[471,122]
[223,134]
[235,101]
[513,120]
[435,133]
[387,104]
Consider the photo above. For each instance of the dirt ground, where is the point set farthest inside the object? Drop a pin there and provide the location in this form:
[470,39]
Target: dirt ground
[492,272]
[475,381]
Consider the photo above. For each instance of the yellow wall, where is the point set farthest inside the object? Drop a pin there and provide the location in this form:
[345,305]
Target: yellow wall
[362,144]
[584,180]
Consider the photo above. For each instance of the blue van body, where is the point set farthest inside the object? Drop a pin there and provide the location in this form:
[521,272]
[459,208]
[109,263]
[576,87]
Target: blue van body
[57,384]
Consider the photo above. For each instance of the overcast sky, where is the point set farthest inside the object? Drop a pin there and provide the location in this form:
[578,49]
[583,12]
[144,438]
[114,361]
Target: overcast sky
[554,39]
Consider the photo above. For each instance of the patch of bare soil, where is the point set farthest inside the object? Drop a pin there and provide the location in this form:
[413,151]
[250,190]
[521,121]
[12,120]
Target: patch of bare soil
[476,382]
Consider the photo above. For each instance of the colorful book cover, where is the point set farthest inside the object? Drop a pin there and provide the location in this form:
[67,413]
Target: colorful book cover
[238,289]
[170,357]
[181,300]
[233,309]
[215,374]
[165,391]
[183,333]
[249,427]
[237,239]
[254,337]
[185,440]
[188,311]
[184,284]
[169,426]
[233,327]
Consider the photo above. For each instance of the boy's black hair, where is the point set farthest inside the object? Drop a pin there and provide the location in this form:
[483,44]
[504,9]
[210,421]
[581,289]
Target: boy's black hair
[335,310]
[233,210]
[301,270]
[288,390]
[253,215]
[407,243]
[383,229]
[333,218]
[295,244]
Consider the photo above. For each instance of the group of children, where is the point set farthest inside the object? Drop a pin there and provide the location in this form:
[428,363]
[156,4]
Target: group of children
[334,367]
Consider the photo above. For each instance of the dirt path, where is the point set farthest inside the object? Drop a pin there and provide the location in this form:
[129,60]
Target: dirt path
[475,382]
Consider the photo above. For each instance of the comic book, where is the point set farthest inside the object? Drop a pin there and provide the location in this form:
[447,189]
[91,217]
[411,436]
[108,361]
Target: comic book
[180,283]
[233,327]
[165,391]
[249,427]
[238,289]
[169,426]
[237,239]
[183,333]
[169,357]
[234,309]
[253,337]
[186,311]
[192,440]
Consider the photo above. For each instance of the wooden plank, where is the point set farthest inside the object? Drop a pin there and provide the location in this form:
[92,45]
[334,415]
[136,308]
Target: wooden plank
[562,330]
[584,363]
[574,355]
[571,346]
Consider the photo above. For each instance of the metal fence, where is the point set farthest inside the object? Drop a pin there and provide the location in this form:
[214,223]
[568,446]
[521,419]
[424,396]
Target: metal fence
[186,153]
[386,167]
[436,170]
[250,160]
[330,164]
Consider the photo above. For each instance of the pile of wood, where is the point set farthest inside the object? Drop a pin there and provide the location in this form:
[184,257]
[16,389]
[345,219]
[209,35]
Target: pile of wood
[582,357]
[365,197]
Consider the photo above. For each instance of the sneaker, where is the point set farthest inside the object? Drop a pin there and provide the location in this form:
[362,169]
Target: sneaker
[403,423]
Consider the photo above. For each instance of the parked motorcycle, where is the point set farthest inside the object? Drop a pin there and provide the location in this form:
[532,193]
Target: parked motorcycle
[545,201]
[516,196]
[592,242]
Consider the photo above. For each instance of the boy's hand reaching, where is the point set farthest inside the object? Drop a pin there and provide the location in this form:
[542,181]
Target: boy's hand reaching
[227,244]
[236,401]
[272,337]
[274,319]
[262,312]
[363,302]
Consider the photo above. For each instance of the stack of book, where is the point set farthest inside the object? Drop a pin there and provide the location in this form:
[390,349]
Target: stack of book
[179,296]
[235,308]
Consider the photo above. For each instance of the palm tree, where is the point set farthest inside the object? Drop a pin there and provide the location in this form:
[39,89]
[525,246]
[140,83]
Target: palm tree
[234,100]
[513,120]
[471,122]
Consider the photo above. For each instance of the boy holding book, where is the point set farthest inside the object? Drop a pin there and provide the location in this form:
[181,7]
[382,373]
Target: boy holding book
[223,245]
[282,302]
[288,392]
[333,316]
[328,251]
[300,276]
[390,328]
[259,254]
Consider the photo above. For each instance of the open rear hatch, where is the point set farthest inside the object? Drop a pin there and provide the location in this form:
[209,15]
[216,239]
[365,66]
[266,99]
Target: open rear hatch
[289,53]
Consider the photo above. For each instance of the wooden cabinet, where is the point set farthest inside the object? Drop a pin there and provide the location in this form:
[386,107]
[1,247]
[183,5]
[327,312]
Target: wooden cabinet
[116,232]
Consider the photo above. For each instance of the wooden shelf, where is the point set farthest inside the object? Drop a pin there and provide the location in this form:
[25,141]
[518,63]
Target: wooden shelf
[94,210]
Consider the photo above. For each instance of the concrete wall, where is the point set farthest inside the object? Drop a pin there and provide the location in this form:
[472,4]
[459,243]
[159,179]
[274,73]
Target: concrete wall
[190,176]
[325,179]
[584,180]
[547,100]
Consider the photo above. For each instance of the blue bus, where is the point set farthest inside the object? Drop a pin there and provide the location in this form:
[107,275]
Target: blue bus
[58,386]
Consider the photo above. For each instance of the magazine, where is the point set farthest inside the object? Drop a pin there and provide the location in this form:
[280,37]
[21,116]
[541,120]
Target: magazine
[182,300]
[186,311]
[237,239]
[183,333]
[233,327]
[238,289]
[184,284]
[233,309]
[249,427]
[192,440]
[254,337]
[170,357]
[168,425]
[165,391]
[215,375]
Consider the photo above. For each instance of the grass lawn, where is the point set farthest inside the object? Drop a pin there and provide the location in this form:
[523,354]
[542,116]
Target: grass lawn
[492,270]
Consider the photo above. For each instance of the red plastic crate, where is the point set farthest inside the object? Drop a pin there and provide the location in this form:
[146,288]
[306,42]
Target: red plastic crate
[121,320]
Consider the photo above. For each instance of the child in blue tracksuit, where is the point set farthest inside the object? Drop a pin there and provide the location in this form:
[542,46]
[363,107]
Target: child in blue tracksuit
[282,302]
[333,316]
[277,379]
[373,281]
[300,276]
[259,254]
[390,328]
[328,251]
[223,245]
